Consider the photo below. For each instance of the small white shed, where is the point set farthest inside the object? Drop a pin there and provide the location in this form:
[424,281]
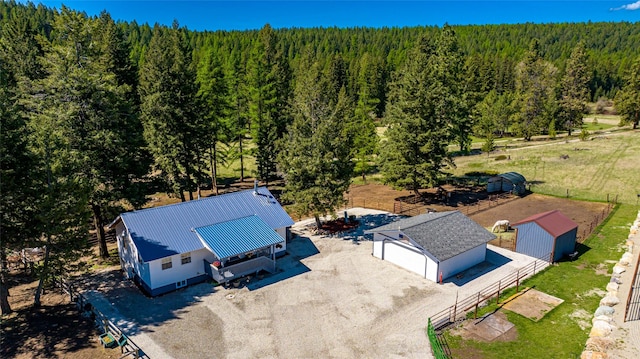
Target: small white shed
[433,245]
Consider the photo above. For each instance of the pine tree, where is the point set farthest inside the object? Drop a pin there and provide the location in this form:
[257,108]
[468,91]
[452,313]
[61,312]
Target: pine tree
[238,122]
[213,96]
[535,84]
[575,90]
[448,89]
[315,156]
[268,78]
[628,99]
[418,134]
[67,110]
[19,52]
[167,95]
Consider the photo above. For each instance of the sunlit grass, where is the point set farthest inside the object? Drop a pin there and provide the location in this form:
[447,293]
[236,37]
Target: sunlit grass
[559,334]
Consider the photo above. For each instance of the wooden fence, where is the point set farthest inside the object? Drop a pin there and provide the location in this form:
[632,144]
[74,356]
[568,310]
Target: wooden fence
[460,309]
[127,347]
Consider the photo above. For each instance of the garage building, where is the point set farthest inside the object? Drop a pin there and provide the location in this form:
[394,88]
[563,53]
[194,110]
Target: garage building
[433,245]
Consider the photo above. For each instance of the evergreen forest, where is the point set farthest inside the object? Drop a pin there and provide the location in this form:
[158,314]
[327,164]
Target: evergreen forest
[97,114]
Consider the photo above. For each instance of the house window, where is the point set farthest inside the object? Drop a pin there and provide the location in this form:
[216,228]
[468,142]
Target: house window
[185,258]
[166,263]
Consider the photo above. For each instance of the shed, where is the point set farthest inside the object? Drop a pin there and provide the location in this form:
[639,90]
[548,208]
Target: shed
[223,238]
[507,182]
[434,245]
[548,235]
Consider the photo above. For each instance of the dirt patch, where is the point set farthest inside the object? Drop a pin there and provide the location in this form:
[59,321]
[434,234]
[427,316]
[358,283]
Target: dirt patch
[533,304]
[55,330]
[581,212]
[493,327]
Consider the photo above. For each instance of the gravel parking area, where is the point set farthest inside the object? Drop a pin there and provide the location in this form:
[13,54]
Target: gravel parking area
[329,299]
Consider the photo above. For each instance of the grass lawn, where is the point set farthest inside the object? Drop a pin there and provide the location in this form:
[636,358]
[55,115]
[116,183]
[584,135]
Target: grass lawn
[562,333]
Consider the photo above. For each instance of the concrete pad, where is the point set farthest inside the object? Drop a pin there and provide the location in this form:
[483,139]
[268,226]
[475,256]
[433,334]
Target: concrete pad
[533,304]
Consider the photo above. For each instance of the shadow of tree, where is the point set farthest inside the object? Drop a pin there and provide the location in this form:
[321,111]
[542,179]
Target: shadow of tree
[44,332]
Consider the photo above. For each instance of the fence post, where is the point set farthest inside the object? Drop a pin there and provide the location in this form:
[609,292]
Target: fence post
[534,267]
[498,296]
[475,314]
[518,280]
[455,308]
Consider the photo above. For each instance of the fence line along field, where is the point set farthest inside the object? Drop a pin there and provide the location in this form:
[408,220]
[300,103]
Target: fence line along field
[591,169]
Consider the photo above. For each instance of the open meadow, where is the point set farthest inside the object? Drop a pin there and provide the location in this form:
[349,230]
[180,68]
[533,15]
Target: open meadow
[605,164]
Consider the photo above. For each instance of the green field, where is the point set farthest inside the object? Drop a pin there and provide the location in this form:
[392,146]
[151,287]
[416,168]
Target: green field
[607,163]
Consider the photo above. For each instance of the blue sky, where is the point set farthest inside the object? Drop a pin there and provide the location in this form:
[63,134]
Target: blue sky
[242,15]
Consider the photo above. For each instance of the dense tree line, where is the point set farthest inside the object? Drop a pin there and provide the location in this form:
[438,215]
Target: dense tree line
[96,112]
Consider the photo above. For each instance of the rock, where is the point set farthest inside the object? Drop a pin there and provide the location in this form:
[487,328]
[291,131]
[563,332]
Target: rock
[599,344]
[590,354]
[618,269]
[615,280]
[604,324]
[609,300]
[627,255]
[604,310]
[603,318]
[624,262]
[612,287]
[600,329]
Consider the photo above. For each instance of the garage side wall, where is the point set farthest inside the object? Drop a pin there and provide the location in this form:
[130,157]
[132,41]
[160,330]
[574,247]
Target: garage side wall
[463,261]
[534,241]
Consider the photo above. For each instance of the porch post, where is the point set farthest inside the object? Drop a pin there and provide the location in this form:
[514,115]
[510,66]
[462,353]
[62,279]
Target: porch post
[273,256]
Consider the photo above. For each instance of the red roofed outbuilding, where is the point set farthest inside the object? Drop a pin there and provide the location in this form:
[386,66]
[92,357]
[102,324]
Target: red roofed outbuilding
[548,235]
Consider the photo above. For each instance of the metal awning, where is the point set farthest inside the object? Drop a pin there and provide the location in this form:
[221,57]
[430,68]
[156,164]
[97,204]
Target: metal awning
[238,236]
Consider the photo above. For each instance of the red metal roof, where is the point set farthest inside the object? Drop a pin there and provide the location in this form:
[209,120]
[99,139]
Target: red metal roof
[554,222]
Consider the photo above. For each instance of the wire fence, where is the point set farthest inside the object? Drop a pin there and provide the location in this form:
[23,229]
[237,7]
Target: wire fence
[111,331]
[586,232]
[439,349]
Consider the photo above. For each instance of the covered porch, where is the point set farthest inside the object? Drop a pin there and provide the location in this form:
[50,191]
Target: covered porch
[240,247]
[234,271]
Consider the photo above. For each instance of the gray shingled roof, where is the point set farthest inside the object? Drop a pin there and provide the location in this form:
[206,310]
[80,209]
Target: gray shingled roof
[443,234]
[167,230]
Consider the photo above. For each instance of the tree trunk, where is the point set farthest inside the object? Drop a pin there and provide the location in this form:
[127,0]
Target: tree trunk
[318,223]
[241,159]
[213,167]
[5,308]
[99,226]
[43,273]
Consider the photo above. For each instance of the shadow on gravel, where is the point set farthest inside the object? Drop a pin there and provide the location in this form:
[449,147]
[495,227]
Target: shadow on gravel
[493,260]
[124,303]
[288,266]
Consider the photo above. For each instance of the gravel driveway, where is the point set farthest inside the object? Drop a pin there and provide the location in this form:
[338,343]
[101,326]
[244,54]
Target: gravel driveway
[329,299]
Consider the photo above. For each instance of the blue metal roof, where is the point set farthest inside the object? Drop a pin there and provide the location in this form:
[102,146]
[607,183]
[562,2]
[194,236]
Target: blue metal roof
[163,231]
[238,236]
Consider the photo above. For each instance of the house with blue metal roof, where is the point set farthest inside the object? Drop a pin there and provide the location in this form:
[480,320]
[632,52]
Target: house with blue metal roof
[434,245]
[223,238]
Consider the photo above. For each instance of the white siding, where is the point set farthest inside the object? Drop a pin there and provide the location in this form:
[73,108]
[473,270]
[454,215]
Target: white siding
[127,251]
[282,231]
[178,271]
[390,248]
[462,261]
